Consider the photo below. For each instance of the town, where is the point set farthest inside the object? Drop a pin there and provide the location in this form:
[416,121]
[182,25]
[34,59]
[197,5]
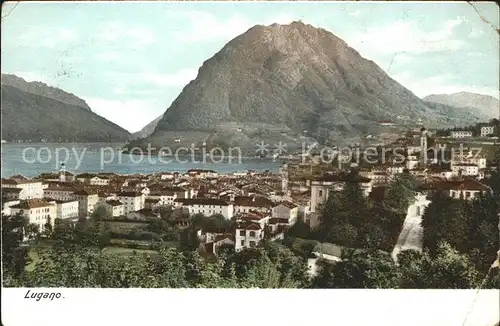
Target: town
[316,208]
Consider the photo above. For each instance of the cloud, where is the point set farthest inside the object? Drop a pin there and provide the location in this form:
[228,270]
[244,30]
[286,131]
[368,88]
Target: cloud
[108,56]
[131,36]
[125,112]
[441,84]
[475,32]
[204,27]
[178,78]
[46,37]
[406,36]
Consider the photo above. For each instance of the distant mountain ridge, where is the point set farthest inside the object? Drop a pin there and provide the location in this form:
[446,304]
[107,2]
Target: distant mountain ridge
[285,82]
[147,130]
[484,105]
[35,111]
[39,88]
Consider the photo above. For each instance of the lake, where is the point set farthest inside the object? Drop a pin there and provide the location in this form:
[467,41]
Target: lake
[31,159]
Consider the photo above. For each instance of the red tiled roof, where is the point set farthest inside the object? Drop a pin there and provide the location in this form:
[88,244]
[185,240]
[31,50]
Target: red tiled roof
[32,203]
[256,201]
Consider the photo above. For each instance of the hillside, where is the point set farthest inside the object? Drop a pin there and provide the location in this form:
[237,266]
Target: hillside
[27,115]
[147,130]
[39,88]
[283,82]
[483,105]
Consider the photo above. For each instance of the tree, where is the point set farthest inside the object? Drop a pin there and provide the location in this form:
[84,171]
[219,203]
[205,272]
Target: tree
[445,219]
[292,268]
[14,253]
[446,269]
[343,234]
[361,269]
[353,204]
[32,231]
[370,236]
[47,228]
[401,193]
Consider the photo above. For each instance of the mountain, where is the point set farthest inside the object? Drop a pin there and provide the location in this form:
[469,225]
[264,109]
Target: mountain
[147,130]
[39,88]
[35,111]
[287,83]
[484,105]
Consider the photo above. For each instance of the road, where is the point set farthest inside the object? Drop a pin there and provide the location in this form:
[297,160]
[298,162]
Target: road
[412,233]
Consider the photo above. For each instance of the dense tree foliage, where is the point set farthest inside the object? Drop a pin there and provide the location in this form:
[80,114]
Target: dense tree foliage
[470,226]
[445,269]
[351,220]
[400,193]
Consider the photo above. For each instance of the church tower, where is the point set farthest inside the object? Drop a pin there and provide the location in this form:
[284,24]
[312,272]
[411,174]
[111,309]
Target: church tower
[423,146]
[284,178]
[62,173]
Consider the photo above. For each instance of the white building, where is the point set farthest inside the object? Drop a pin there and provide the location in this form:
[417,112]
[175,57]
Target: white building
[59,193]
[286,210]
[248,235]
[208,207]
[38,211]
[7,205]
[245,204]
[30,189]
[99,181]
[86,201]
[133,201]
[166,197]
[113,207]
[466,188]
[465,169]
[66,209]
[200,174]
[460,134]
[321,187]
[487,131]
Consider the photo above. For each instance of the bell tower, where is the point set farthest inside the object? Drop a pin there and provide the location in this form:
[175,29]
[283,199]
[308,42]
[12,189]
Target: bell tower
[423,146]
[62,173]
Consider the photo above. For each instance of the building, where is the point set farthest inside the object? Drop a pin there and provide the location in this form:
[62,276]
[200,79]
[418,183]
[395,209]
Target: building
[201,174]
[286,210]
[423,146]
[458,134]
[30,189]
[86,201]
[133,201]
[99,181]
[245,204]
[7,204]
[66,209]
[113,207]
[487,131]
[248,235]
[321,187]
[59,193]
[207,206]
[84,177]
[165,197]
[465,169]
[37,211]
[466,188]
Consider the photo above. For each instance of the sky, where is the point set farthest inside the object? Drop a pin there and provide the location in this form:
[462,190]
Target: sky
[130,60]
